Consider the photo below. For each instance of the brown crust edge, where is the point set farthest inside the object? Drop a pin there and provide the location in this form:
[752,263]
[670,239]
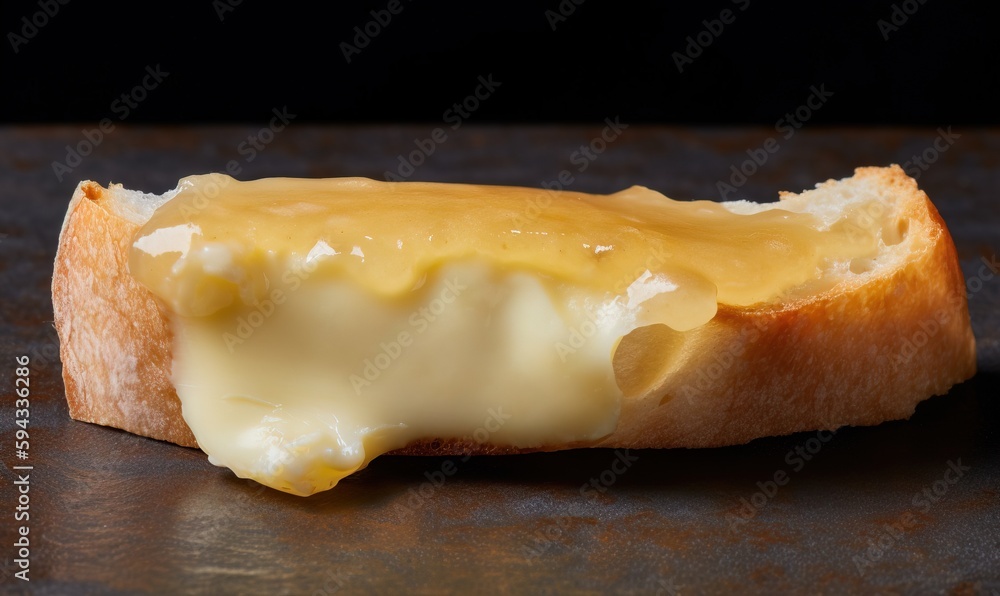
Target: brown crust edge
[788,376]
[864,354]
[114,340]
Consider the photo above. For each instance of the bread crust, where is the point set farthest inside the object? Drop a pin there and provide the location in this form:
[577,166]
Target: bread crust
[861,353]
[114,340]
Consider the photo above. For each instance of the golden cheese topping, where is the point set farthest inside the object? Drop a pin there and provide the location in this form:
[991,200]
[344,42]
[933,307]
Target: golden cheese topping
[320,323]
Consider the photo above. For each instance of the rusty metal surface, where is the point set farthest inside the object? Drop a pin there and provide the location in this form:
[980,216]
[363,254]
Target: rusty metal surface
[116,513]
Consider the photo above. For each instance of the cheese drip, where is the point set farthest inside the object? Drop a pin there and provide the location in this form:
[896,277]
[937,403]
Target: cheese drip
[320,323]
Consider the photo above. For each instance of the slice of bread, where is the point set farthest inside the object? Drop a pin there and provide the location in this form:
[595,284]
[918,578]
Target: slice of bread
[864,343]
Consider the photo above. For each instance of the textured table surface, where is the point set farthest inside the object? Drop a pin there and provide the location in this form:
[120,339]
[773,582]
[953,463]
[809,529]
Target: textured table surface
[115,513]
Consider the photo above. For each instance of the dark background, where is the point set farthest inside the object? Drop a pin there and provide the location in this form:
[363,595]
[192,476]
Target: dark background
[117,513]
[605,59]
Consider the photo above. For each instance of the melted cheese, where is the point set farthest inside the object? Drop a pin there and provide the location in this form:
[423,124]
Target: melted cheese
[320,323]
